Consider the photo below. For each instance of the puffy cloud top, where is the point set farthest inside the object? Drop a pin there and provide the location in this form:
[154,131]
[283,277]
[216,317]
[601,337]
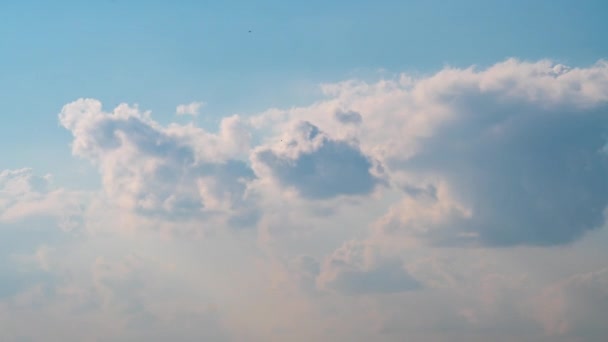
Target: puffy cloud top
[515,152]
[518,148]
[177,171]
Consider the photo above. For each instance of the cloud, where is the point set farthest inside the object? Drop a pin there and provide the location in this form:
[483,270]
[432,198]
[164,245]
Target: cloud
[317,166]
[387,277]
[33,213]
[128,297]
[175,172]
[518,146]
[348,117]
[304,271]
[403,175]
[574,307]
[192,108]
[472,133]
[25,196]
[353,270]
[520,185]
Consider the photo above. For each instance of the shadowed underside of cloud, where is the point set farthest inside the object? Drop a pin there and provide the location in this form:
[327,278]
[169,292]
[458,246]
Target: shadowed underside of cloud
[319,167]
[521,147]
[538,178]
[348,117]
[353,270]
[387,277]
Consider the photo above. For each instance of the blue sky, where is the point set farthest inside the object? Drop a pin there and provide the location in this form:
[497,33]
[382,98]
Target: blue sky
[343,161]
[55,52]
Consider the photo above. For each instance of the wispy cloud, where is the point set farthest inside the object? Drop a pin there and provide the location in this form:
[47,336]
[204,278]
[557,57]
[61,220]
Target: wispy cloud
[192,108]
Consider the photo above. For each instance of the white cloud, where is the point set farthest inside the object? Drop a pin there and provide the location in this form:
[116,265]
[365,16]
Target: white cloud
[25,195]
[510,144]
[192,108]
[377,210]
[176,172]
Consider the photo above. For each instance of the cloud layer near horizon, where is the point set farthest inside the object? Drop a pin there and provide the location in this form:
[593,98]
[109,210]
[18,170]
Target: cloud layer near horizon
[437,207]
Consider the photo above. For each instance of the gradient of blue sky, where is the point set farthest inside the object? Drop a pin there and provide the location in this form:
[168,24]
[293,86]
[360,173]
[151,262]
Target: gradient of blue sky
[371,186]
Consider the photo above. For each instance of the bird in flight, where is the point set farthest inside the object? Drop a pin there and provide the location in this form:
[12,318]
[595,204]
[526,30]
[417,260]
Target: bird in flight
[249,31]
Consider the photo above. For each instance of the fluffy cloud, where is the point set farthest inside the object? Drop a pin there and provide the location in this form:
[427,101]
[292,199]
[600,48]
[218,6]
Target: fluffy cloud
[386,277]
[317,166]
[526,173]
[363,202]
[174,172]
[517,149]
[472,134]
[24,195]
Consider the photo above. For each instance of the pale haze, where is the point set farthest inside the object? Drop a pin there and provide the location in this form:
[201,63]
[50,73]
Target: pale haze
[304,171]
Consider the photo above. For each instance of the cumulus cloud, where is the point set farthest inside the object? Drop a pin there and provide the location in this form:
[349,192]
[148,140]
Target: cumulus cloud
[179,171]
[519,147]
[528,174]
[407,170]
[317,166]
[192,108]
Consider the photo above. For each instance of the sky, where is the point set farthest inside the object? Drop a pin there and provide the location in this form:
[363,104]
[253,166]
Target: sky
[325,171]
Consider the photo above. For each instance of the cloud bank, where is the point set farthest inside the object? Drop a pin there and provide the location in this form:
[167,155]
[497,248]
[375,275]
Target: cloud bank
[465,205]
